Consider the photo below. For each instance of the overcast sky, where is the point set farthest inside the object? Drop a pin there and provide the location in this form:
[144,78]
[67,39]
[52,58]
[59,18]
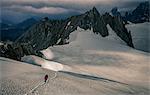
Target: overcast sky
[18,10]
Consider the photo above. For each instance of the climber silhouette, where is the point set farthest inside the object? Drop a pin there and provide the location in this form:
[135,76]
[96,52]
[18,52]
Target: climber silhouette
[45,78]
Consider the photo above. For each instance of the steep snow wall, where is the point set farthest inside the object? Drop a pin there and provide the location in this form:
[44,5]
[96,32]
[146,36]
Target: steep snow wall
[140,35]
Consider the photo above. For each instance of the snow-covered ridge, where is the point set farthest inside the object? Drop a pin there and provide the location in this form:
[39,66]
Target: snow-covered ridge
[82,35]
[140,35]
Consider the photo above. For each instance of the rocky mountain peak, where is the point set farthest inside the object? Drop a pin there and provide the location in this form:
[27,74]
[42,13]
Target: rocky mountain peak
[143,8]
[115,12]
[140,14]
[45,19]
[95,11]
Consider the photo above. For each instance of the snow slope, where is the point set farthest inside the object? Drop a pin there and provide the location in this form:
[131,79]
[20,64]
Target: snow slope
[48,54]
[1,43]
[97,66]
[18,78]
[55,66]
[91,54]
[141,35]
[88,40]
[113,36]
[89,33]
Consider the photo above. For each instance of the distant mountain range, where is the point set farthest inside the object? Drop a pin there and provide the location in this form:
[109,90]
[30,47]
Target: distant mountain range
[139,15]
[11,31]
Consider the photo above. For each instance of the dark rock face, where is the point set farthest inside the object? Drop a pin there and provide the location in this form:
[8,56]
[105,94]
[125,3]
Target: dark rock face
[43,34]
[116,23]
[16,50]
[140,14]
[115,12]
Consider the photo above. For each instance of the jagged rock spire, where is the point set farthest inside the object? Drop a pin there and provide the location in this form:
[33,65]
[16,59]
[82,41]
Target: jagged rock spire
[95,11]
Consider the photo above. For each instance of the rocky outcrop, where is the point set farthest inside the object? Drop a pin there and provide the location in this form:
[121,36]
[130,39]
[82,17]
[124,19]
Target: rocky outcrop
[117,24]
[16,50]
[43,34]
[92,19]
[115,12]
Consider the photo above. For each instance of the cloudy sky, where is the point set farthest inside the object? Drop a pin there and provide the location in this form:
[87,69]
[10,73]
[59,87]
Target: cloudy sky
[18,10]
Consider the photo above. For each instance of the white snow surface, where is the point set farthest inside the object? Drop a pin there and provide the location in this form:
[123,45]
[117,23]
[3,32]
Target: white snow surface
[96,66]
[73,36]
[68,24]
[140,35]
[48,54]
[88,40]
[51,65]
[129,22]
[1,43]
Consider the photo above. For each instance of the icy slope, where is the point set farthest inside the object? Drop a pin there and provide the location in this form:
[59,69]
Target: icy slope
[98,66]
[141,35]
[88,40]
[92,54]
[113,36]
[48,54]
[106,78]
[55,66]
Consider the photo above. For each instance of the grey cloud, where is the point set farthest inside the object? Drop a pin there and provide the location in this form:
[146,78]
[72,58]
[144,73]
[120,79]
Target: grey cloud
[43,10]
[78,5]
[60,8]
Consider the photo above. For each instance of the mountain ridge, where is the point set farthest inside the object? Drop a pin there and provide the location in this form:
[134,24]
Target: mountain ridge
[48,32]
[55,30]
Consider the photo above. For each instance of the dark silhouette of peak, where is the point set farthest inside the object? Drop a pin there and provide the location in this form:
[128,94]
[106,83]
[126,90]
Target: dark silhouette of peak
[140,14]
[115,12]
[94,10]
[45,19]
[143,8]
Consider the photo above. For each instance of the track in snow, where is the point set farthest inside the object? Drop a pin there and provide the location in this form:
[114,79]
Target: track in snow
[35,91]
